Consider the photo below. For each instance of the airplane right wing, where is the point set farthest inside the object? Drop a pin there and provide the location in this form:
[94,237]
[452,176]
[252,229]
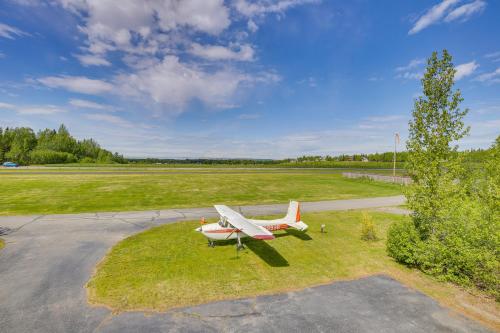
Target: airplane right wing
[242,224]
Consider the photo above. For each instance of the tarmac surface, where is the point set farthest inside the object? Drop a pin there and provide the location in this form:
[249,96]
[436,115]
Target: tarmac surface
[49,258]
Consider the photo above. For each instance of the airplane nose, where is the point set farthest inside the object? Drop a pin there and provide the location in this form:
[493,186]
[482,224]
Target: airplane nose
[197,229]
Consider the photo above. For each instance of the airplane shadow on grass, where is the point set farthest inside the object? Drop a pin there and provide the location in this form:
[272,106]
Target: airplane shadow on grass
[265,251]
[295,233]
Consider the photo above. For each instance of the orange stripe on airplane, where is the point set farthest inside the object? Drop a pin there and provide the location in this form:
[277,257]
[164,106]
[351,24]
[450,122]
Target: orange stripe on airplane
[221,231]
[277,227]
[297,217]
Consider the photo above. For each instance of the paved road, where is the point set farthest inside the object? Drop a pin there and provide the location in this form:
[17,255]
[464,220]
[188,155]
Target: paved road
[171,171]
[49,258]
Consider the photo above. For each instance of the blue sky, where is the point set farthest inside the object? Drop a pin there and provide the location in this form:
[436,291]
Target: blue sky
[240,78]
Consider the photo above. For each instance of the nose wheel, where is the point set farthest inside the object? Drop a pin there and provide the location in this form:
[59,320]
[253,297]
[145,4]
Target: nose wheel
[211,243]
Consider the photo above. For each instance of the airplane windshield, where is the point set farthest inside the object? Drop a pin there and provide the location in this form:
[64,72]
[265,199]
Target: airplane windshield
[223,223]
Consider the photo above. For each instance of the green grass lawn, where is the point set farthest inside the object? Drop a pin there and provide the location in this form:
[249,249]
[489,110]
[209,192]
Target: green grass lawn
[35,194]
[322,164]
[118,168]
[172,266]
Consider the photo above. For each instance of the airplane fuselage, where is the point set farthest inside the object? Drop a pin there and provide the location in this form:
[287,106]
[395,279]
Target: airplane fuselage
[224,231]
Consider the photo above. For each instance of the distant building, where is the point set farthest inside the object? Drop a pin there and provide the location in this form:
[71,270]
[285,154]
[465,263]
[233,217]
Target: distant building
[364,159]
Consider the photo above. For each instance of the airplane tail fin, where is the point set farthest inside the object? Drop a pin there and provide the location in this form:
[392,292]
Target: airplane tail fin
[292,217]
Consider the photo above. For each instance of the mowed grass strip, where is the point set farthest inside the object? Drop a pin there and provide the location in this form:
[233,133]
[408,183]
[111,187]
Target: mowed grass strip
[45,194]
[172,266]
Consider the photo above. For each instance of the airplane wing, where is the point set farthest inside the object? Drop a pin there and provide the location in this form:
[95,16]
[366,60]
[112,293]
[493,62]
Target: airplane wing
[242,224]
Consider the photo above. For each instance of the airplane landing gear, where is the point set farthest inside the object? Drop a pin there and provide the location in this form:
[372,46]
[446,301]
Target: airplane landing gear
[239,246]
[211,243]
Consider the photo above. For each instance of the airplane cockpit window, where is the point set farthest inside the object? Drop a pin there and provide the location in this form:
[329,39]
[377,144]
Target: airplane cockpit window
[223,222]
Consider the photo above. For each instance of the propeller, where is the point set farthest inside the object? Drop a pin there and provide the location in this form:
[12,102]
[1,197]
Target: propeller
[202,222]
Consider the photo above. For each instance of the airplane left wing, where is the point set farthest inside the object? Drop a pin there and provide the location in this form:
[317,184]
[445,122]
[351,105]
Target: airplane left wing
[242,224]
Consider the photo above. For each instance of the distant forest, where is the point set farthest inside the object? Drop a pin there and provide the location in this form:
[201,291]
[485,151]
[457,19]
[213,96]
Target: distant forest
[23,146]
[473,155]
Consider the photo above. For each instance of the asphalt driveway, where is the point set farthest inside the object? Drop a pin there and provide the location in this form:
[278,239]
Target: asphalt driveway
[48,259]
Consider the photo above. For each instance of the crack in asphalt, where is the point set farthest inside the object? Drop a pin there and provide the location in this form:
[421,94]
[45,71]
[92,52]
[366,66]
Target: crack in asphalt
[14,230]
[180,212]
[132,223]
[103,322]
[155,217]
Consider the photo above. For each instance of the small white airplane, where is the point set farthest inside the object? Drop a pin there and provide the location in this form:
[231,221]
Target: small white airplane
[233,225]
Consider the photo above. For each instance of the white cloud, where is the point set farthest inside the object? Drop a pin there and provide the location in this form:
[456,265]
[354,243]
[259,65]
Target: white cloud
[384,123]
[79,84]
[115,120]
[11,32]
[388,118]
[92,60]
[252,26]
[249,116]
[466,69]
[39,110]
[81,103]
[412,71]
[486,110]
[411,65]
[141,25]
[163,46]
[216,52]
[6,106]
[260,7]
[432,16]
[2,55]
[227,106]
[375,78]
[411,76]
[464,12]
[494,56]
[492,77]
[310,81]
[174,83]
[32,109]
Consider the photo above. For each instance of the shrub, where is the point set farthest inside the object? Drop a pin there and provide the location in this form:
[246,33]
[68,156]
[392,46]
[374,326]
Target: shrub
[367,228]
[464,248]
[47,156]
[87,160]
[403,242]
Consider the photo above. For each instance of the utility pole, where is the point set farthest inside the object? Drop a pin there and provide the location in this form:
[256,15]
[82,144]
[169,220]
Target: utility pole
[396,142]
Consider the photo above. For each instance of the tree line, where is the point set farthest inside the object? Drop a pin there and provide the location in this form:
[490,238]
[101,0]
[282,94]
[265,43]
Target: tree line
[23,146]
[470,155]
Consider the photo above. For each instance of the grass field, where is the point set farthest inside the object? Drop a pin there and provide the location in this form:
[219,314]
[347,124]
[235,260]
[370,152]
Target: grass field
[117,168]
[172,266]
[94,192]
[322,164]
